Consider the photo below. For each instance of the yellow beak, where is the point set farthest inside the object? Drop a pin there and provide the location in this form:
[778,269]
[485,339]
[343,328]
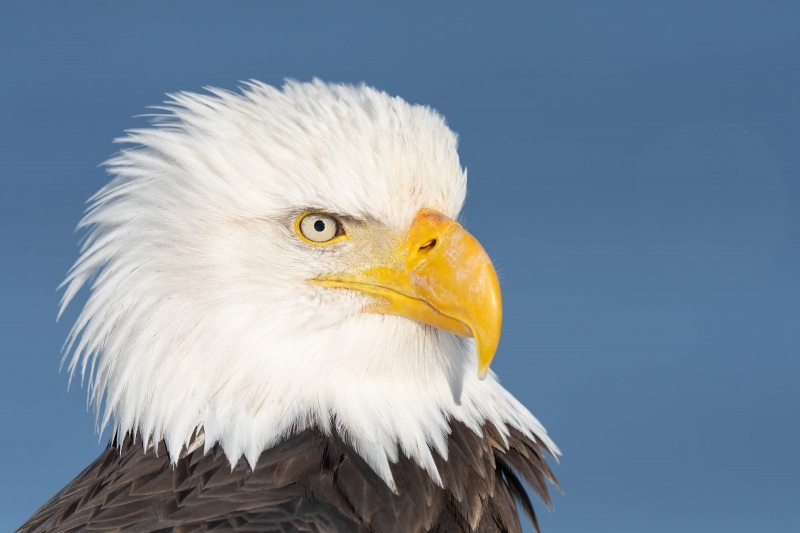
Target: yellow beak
[440,275]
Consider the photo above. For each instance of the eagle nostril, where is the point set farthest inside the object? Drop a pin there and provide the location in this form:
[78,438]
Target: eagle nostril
[428,246]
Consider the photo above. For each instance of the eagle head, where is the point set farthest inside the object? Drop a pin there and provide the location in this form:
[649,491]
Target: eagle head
[273,260]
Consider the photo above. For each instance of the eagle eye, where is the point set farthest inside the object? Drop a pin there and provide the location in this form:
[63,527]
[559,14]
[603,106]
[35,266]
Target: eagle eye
[318,228]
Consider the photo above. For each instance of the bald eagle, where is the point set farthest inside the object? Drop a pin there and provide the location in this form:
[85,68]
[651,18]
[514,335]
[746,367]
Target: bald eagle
[287,329]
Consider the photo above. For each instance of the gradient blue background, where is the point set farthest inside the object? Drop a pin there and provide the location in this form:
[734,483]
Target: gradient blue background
[634,173]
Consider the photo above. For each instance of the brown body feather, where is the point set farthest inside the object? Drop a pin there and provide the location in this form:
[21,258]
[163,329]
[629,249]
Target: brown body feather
[309,482]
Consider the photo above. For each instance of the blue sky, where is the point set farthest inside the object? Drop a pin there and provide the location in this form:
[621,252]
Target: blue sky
[634,173]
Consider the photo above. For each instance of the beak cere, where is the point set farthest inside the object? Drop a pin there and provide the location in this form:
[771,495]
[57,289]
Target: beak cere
[440,275]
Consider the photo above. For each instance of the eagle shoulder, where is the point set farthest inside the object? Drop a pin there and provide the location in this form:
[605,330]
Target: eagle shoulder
[308,482]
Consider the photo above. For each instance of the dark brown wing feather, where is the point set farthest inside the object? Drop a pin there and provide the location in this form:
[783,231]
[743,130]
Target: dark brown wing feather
[310,482]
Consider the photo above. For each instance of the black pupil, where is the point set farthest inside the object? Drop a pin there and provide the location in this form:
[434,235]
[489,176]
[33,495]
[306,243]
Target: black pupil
[319,225]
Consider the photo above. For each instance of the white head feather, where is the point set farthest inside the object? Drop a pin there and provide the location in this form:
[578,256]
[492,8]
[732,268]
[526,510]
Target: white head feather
[201,315]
